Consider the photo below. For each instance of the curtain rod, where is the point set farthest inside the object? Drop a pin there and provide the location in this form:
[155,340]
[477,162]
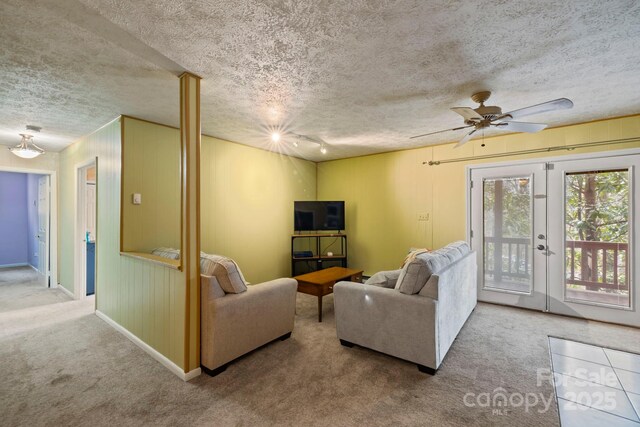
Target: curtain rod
[534,150]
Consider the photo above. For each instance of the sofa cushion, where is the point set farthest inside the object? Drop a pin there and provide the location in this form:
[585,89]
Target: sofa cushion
[415,273]
[225,270]
[211,288]
[452,254]
[461,246]
[384,279]
[170,253]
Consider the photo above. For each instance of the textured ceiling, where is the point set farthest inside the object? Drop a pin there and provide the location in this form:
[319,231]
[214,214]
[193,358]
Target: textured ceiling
[361,75]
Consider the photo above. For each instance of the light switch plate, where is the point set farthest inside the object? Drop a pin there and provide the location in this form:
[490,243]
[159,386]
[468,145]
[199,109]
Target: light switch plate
[137,198]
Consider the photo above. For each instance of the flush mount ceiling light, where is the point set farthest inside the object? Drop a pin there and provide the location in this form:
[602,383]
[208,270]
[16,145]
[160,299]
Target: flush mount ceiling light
[27,149]
[322,144]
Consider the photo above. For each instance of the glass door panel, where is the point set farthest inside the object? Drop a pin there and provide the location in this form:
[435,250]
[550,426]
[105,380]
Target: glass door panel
[592,238]
[508,222]
[507,233]
[597,212]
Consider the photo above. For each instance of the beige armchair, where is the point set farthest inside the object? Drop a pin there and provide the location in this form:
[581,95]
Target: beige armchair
[233,325]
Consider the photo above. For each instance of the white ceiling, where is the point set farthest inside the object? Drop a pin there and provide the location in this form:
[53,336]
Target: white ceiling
[362,75]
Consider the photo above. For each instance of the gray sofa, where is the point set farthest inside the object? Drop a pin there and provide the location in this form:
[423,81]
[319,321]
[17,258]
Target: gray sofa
[235,324]
[418,319]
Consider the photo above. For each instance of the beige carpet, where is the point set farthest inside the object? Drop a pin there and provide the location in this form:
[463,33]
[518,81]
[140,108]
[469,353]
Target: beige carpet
[23,287]
[64,366]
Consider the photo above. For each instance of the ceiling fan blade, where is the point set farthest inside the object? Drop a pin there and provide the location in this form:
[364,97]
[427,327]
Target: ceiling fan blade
[521,126]
[466,139]
[556,104]
[467,113]
[440,131]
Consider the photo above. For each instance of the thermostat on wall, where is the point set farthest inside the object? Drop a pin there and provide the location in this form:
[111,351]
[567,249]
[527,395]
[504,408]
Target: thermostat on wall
[137,198]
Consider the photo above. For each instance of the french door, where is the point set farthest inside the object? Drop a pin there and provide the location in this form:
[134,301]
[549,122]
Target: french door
[508,222]
[559,236]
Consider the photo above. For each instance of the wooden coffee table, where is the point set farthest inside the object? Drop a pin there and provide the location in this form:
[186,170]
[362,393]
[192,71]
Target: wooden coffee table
[320,283]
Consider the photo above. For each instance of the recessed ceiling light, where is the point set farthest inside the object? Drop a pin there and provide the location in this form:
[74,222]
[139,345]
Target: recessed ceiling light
[275,137]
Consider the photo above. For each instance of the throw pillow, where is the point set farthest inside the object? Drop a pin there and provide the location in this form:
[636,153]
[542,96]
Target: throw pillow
[384,279]
[415,274]
[212,287]
[166,253]
[225,270]
[413,253]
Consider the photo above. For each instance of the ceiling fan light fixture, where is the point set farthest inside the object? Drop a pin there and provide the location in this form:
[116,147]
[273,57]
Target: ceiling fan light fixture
[26,149]
[486,116]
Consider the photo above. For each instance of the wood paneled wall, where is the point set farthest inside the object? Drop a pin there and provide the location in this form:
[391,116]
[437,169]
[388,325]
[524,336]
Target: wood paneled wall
[145,298]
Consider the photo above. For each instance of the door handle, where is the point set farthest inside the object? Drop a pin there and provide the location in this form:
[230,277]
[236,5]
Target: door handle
[541,247]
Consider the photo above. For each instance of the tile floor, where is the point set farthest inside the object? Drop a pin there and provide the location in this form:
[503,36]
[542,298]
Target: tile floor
[595,386]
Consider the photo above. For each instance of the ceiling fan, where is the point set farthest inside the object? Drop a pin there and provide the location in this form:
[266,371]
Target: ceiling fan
[487,116]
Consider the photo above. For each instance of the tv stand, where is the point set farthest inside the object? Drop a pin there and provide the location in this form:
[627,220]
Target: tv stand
[318,258]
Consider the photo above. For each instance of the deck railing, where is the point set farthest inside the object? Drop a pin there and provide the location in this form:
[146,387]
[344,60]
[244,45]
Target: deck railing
[594,265]
[597,265]
[512,256]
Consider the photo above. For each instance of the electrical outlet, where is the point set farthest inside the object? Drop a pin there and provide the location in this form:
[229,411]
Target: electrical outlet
[423,217]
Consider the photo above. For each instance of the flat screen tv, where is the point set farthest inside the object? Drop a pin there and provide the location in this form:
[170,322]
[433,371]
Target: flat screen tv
[315,216]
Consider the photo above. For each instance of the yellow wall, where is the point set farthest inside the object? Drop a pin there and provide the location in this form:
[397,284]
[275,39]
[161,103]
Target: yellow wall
[145,298]
[246,201]
[152,168]
[386,193]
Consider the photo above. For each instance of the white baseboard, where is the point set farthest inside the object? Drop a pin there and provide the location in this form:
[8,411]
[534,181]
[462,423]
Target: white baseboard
[188,376]
[185,376]
[66,291]
[18,264]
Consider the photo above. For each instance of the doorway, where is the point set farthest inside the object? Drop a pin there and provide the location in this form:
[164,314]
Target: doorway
[86,229]
[25,222]
[559,235]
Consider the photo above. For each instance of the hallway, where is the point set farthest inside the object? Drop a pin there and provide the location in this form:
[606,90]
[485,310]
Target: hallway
[23,287]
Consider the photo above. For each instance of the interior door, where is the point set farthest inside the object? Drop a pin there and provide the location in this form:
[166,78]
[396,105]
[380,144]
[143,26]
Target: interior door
[91,210]
[593,208]
[508,232]
[43,226]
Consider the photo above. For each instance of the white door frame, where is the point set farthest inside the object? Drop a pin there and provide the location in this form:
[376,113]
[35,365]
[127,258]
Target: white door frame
[536,297]
[558,302]
[52,276]
[79,216]
[554,159]
[47,228]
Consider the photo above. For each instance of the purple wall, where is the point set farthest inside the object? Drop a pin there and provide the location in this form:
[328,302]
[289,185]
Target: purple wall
[13,218]
[32,221]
